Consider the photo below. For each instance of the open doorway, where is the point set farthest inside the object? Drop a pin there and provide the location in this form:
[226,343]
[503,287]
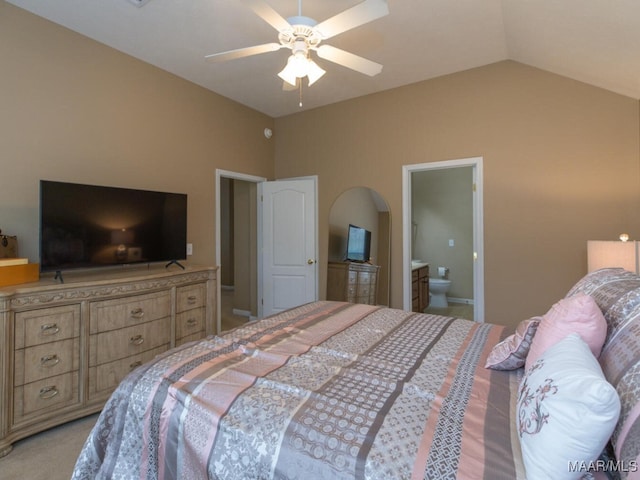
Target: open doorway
[236,235]
[445,243]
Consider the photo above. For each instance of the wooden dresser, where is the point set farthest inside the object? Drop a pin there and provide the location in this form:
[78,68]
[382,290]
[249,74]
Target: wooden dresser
[353,282]
[65,347]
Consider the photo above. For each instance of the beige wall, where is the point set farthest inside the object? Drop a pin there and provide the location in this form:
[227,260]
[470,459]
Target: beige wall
[75,110]
[561,158]
[354,206]
[561,166]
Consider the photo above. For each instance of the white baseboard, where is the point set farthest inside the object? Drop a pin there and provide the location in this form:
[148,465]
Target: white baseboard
[241,313]
[467,301]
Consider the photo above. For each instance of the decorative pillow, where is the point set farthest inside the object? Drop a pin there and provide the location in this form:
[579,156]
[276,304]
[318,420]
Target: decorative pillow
[577,314]
[566,411]
[511,352]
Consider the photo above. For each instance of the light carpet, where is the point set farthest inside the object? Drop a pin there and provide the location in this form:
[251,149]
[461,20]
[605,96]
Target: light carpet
[49,455]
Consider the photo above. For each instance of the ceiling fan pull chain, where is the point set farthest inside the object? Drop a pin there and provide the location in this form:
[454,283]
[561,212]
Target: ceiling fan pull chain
[300,82]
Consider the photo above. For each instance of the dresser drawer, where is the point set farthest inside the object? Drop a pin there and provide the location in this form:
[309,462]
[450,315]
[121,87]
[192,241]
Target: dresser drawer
[364,277]
[36,327]
[48,360]
[190,322]
[123,312]
[192,296]
[108,346]
[190,338]
[104,378]
[39,397]
[364,289]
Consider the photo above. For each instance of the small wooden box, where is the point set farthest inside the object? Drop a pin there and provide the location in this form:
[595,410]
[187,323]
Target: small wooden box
[16,274]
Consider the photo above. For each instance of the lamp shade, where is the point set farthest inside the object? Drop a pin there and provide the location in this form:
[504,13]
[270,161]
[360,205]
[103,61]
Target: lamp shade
[122,236]
[314,72]
[608,254]
[299,66]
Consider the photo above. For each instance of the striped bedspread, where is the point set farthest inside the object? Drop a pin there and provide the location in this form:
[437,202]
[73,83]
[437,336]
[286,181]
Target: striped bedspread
[327,390]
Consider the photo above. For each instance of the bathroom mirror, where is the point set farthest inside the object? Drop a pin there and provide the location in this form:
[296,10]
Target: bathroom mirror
[365,208]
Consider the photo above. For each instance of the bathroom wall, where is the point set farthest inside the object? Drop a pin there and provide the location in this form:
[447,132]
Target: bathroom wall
[442,208]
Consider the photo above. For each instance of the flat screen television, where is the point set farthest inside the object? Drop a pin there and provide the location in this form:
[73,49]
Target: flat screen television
[358,244]
[84,226]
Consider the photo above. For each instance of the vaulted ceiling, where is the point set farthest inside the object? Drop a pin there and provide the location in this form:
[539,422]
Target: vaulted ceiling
[594,41]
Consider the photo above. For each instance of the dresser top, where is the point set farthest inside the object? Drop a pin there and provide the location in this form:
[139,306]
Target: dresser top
[75,280]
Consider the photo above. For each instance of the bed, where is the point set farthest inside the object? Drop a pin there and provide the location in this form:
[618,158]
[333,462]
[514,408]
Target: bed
[327,390]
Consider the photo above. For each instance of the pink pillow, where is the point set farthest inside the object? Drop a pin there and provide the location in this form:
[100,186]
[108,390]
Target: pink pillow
[577,314]
[511,352]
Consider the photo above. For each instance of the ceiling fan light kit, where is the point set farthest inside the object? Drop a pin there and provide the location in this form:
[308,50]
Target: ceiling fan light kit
[299,65]
[302,34]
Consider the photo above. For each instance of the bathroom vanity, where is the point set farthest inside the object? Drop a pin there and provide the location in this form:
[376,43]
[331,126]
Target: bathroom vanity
[419,286]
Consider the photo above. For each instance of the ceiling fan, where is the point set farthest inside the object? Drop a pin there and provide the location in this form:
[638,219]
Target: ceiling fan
[302,35]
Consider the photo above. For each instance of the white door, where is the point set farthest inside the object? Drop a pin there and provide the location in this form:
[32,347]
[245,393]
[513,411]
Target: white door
[287,265]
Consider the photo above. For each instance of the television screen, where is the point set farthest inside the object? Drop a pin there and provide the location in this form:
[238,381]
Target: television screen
[88,225]
[358,244]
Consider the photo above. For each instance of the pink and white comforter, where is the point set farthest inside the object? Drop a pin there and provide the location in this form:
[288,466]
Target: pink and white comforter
[327,390]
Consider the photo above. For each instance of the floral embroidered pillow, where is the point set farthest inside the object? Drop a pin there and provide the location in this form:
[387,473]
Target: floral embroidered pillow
[511,352]
[566,411]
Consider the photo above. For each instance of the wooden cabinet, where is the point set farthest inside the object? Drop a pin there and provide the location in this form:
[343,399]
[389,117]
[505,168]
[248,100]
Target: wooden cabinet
[46,361]
[420,288]
[353,282]
[65,347]
[190,313]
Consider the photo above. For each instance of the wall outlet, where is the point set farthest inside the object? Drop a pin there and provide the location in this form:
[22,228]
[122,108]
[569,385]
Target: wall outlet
[189,248]
[452,243]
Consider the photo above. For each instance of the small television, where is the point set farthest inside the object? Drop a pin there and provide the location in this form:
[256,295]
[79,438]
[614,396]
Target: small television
[358,244]
[85,226]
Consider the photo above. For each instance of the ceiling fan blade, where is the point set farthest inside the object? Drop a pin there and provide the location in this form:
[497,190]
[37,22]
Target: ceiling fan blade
[360,14]
[349,60]
[268,14]
[243,52]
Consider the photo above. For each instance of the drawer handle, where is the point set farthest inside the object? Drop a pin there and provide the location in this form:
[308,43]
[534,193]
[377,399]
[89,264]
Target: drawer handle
[48,392]
[137,313]
[192,298]
[49,360]
[192,321]
[135,364]
[137,340]
[49,329]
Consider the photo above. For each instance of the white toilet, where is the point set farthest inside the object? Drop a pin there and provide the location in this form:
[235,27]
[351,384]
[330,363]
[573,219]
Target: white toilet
[438,289]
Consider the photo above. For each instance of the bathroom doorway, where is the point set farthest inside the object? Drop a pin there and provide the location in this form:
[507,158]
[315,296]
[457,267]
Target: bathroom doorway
[442,226]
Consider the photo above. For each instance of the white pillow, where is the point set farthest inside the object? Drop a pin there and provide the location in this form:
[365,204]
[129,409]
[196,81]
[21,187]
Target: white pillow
[566,411]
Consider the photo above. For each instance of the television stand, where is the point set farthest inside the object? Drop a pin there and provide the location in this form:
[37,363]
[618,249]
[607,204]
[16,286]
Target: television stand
[58,276]
[174,262]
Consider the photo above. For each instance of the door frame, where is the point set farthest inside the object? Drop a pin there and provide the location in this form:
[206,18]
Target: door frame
[235,176]
[478,230]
